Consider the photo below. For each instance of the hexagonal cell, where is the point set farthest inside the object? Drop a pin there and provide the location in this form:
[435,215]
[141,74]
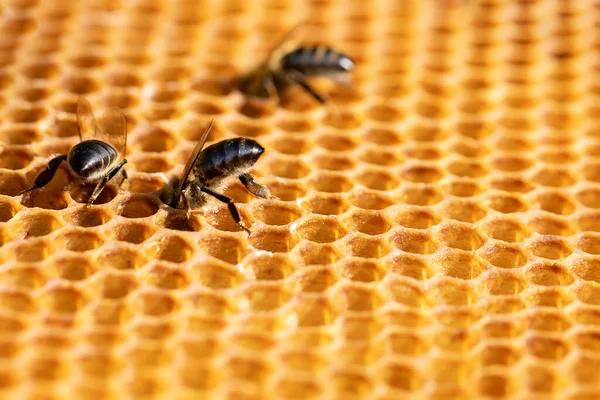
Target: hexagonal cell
[267,266]
[369,200]
[506,203]
[216,274]
[511,184]
[501,283]
[72,267]
[506,229]
[550,247]
[313,253]
[153,304]
[555,202]
[81,191]
[272,213]
[417,217]
[332,161]
[463,210]
[151,163]
[361,270]
[130,231]
[291,145]
[413,241]
[172,248]
[152,139]
[550,225]
[325,204]
[341,120]
[330,182]
[458,264]
[382,136]
[546,273]
[230,248]
[137,206]
[320,229]
[24,113]
[376,179]
[420,195]
[8,209]
[589,197]
[15,158]
[422,173]
[452,292]
[381,157]
[287,167]
[409,265]
[460,235]
[121,257]
[588,221]
[295,124]
[369,222]
[588,242]
[467,169]
[62,299]
[585,267]
[34,223]
[78,239]
[19,134]
[12,183]
[248,128]
[86,217]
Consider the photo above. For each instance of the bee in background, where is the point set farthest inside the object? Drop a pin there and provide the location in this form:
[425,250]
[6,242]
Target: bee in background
[98,157]
[212,168]
[285,67]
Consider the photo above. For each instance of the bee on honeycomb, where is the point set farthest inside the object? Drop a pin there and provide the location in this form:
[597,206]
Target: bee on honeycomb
[212,168]
[286,66]
[98,157]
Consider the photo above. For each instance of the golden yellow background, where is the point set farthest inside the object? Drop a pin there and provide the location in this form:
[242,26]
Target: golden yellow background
[437,233]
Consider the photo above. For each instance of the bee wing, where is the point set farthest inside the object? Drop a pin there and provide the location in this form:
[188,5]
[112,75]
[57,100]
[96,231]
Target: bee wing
[86,123]
[192,160]
[113,129]
[283,43]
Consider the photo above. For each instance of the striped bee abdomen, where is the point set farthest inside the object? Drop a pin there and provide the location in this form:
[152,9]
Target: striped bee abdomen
[316,60]
[91,157]
[217,161]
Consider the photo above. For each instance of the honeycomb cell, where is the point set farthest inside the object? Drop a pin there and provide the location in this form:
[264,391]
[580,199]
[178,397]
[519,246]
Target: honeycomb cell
[325,204]
[276,213]
[121,257]
[550,247]
[413,241]
[550,225]
[506,203]
[172,248]
[131,232]
[330,182]
[506,229]
[589,243]
[62,299]
[77,239]
[460,236]
[137,207]
[369,200]
[458,264]
[229,248]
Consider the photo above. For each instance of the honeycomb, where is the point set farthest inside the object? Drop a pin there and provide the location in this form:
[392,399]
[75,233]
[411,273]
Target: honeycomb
[436,236]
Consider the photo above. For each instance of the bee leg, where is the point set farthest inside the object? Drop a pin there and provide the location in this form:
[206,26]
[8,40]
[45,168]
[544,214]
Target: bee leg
[254,187]
[100,186]
[300,80]
[230,204]
[46,175]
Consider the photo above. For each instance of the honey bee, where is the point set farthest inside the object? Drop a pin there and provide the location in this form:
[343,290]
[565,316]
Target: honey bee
[212,168]
[285,67]
[98,157]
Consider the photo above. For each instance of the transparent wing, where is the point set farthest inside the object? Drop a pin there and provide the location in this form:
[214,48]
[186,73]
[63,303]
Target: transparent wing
[86,123]
[278,48]
[192,160]
[112,129]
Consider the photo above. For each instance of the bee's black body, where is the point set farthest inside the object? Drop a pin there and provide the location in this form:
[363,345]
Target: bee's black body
[212,168]
[222,159]
[294,67]
[91,158]
[316,61]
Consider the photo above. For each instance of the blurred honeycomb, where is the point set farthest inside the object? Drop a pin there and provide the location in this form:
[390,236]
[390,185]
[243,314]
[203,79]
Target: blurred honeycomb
[438,229]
